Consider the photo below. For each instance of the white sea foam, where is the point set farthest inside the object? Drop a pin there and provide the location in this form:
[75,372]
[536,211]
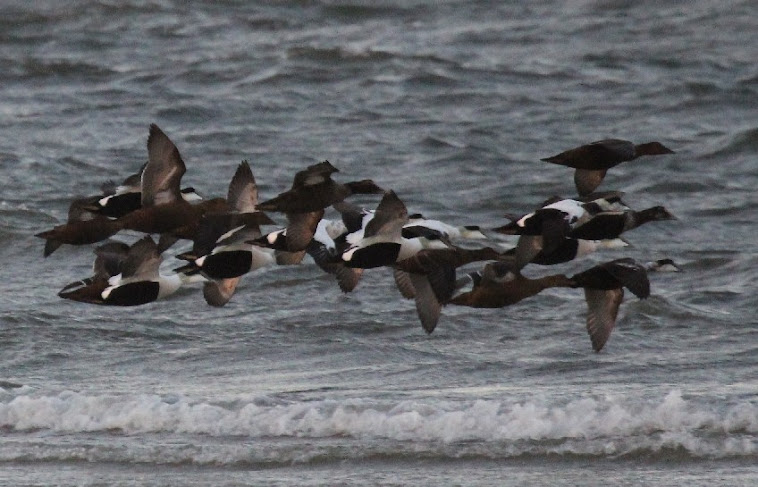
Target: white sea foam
[588,426]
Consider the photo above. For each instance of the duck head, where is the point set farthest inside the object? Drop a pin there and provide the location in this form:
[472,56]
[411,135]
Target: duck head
[657,213]
[364,186]
[651,149]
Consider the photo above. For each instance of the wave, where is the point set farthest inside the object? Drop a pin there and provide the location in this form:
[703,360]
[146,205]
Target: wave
[610,427]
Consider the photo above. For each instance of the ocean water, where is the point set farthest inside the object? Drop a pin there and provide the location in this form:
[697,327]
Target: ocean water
[451,104]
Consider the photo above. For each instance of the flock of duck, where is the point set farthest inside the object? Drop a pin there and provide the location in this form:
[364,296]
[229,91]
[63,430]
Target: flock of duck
[424,254]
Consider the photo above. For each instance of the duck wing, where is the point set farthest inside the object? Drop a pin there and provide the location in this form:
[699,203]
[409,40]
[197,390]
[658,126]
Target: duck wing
[243,191]
[389,218]
[602,310]
[428,307]
[347,277]
[403,283]
[109,259]
[218,292]
[142,261]
[164,170]
[300,229]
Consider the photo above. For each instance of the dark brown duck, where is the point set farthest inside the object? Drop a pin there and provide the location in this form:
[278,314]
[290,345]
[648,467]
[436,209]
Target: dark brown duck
[592,161]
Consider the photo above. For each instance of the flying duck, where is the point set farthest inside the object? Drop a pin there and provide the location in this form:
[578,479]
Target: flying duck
[592,161]
[380,243]
[604,290]
[220,250]
[82,227]
[604,218]
[163,210]
[125,199]
[499,285]
[109,259]
[140,281]
[137,281]
[544,230]
[559,215]
[313,189]
[120,199]
[428,277]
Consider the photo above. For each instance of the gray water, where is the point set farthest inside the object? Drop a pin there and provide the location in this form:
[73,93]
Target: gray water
[451,104]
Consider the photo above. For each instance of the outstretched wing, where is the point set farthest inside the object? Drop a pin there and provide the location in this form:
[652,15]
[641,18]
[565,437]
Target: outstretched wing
[164,170]
[602,309]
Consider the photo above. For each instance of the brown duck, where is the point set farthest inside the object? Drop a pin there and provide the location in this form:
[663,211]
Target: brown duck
[592,161]
[163,210]
[499,285]
[428,277]
[313,189]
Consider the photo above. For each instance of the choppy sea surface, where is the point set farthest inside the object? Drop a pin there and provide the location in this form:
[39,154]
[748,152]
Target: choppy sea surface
[451,104]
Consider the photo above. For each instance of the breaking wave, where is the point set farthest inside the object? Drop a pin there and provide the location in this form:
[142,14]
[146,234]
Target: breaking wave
[357,428]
